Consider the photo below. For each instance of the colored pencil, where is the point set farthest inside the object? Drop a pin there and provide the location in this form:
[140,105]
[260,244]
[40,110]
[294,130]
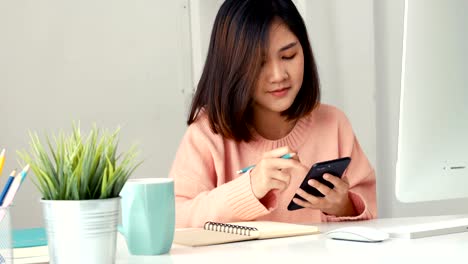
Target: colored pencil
[2,161]
[15,187]
[7,186]
[244,170]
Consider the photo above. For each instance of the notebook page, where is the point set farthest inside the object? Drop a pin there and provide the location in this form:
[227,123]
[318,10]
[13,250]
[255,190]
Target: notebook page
[268,229]
[201,237]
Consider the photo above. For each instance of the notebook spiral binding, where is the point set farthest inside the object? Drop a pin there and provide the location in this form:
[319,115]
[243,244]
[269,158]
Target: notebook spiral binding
[228,228]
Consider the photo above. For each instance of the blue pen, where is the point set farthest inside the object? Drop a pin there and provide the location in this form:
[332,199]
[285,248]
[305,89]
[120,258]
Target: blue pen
[7,186]
[244,170]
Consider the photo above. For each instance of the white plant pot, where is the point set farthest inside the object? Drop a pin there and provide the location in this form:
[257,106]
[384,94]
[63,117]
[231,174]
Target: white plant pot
[81,231]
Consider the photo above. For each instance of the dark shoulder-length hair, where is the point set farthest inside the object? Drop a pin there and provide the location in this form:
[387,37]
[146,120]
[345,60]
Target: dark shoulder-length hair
[238,44]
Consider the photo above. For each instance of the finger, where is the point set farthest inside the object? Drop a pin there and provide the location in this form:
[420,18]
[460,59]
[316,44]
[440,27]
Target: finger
[295,156]
[276,153]
[309,197]
[281,164]
[304,203]
[278,185]
[320,187]
[339,184]
[281,176]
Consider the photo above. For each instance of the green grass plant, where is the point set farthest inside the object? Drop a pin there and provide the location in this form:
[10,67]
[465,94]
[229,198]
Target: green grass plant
[75,167]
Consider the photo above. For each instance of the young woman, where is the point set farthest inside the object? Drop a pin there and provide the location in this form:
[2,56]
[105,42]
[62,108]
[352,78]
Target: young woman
[257,100]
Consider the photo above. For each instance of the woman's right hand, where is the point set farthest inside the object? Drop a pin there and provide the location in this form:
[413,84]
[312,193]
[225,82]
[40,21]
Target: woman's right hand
[273,172]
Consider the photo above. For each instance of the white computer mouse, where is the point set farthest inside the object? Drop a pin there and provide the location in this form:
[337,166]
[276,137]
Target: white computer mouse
[358,233]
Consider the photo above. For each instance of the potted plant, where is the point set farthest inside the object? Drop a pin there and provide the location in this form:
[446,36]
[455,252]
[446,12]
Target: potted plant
[80,179]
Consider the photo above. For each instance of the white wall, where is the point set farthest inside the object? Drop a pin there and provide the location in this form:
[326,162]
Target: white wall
[341,34]
[113,62]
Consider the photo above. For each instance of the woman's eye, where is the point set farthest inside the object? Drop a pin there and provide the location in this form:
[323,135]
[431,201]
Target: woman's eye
[289,57]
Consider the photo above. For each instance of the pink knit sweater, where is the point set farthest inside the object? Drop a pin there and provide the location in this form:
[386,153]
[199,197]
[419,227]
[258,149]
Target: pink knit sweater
[207,187]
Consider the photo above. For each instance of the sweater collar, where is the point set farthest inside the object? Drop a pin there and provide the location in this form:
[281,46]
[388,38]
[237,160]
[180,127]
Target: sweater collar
[293,139]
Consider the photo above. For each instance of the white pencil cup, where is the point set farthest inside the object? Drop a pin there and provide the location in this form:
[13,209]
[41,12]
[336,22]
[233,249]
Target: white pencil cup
[6,251]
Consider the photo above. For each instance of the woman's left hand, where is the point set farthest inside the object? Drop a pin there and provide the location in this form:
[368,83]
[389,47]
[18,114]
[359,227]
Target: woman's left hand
[336,201]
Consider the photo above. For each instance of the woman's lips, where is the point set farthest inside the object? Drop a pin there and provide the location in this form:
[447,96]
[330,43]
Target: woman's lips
[280,92]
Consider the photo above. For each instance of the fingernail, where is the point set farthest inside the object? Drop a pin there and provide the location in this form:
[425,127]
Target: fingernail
[326,177]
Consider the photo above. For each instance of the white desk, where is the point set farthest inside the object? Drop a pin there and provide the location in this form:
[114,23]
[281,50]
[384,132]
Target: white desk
[446,249]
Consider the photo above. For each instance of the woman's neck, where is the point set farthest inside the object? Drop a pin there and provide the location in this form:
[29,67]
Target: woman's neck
[272,125]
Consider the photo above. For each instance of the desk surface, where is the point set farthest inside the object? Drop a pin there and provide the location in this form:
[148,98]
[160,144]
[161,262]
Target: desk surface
[451,248]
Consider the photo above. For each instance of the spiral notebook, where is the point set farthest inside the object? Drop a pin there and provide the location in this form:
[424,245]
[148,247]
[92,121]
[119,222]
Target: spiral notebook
[218,233]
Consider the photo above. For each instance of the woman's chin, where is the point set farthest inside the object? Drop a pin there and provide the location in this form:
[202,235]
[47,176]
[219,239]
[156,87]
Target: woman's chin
[278,106]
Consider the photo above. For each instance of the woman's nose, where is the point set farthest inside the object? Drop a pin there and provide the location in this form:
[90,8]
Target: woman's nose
[277,72]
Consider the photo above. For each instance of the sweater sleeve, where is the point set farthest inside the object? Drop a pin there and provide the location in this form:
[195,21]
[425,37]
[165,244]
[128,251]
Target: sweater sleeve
[360,176]
[201,195]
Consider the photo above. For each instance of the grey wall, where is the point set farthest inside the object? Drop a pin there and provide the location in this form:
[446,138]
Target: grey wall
[112,62]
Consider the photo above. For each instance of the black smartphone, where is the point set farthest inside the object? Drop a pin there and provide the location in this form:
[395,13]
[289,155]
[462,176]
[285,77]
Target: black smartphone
[334,167]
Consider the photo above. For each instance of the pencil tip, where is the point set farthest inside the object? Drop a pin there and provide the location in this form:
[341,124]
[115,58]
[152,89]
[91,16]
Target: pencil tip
[26,168]
[2,153]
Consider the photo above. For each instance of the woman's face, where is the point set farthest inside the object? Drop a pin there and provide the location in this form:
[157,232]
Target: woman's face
[282,71]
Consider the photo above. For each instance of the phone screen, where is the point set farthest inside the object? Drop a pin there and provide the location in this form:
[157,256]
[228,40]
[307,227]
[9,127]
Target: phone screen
[334,167]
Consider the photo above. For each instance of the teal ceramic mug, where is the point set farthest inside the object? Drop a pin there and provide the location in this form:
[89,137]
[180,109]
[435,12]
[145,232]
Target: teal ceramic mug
[148,215]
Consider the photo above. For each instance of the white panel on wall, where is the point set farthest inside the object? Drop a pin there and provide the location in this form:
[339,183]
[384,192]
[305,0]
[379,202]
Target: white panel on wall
[202,16]
[301,6]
